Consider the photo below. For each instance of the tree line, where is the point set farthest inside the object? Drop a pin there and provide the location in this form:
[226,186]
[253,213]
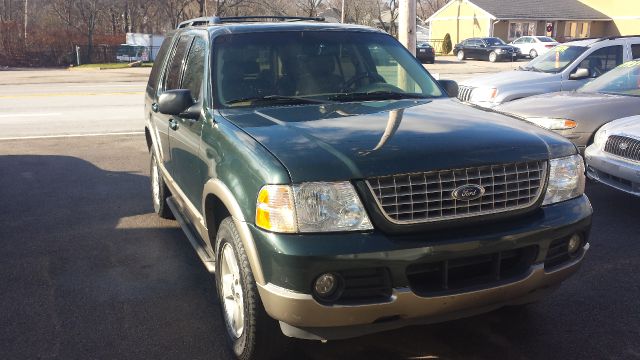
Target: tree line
[44,32]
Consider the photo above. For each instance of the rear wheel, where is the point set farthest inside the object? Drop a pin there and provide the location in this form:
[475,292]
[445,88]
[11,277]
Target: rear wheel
[533,53]
[460,55]
[251,333]
[159,190]
[493,57]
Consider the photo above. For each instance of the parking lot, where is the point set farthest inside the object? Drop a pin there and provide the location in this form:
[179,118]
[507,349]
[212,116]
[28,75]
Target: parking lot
[89,272]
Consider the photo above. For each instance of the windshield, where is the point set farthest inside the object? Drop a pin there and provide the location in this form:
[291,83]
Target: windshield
[494,41]
[545,39]
[556,59]
[272,68]
[623,80]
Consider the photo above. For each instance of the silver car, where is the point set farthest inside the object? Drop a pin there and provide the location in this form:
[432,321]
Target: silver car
[565,67]
[614,157]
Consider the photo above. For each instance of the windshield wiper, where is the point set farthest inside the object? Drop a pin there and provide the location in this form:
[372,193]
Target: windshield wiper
[279,98]
[377,95]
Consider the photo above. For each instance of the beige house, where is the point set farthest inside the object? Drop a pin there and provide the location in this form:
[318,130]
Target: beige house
[510,19]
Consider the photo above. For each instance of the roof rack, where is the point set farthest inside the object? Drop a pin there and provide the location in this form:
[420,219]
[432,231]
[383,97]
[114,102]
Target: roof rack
[212,20]
[603,38]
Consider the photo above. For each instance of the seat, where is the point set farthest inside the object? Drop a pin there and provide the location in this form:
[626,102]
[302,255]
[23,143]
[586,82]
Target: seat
[319,76]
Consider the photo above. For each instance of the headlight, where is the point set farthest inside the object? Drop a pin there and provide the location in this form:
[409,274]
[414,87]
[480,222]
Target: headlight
[311,207]
[484,94]
[566,179]
[601,137]
[498,51]
[553,124]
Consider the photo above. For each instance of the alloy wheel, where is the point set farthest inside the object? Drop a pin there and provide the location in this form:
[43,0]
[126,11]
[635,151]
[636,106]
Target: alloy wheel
[232,293]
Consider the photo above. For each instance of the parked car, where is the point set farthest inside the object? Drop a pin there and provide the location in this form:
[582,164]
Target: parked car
[614,157]
[425,53]
[532,46]
[565,67]
[492,49]
[577,115]
[333,197]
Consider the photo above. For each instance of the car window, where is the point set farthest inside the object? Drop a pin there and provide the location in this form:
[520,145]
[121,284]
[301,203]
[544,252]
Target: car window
[623,80]
[635,51]
[530,40]
[160,58]
[494,41]
[556,59]
[545,39]
[519,41]
[602,60]
[316,65]
[174,70]
[194,68]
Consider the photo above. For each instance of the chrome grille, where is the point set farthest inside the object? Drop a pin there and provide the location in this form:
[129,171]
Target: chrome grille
[428,196]
[464,92]
[626,147]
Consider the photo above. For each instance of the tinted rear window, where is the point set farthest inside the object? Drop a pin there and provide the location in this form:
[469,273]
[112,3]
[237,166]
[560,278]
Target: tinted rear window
[157,65]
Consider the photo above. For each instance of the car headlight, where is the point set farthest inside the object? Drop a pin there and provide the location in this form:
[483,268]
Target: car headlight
[601,137]
[552,123]
[484,94]
[498,51]
[311,207]
[566,179]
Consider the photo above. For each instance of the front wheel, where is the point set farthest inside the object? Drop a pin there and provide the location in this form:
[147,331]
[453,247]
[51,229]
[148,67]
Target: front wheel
[493,57]
[533,53]
[460,55]
[251,333]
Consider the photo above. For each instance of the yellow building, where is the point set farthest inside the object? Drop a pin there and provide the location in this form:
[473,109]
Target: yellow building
[625,15]
[510,19]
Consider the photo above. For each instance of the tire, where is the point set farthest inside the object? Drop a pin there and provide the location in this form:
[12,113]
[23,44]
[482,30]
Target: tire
[533,53]
[159,190]
[493,57]
[460,55]
[260,336]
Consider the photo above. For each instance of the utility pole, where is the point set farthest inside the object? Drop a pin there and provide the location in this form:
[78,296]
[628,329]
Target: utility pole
[407,24]
[26,18]
[342,13]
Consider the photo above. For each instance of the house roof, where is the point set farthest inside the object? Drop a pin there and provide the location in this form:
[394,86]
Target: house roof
[540,9]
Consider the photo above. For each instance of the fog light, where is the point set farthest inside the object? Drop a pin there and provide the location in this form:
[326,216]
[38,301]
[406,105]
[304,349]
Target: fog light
[326,285]
[574,245]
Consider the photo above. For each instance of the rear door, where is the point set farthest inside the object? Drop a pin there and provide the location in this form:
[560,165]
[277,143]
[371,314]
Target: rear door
[184,134]
[170,80]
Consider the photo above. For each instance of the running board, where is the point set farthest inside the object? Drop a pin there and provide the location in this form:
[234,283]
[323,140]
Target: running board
[208,262]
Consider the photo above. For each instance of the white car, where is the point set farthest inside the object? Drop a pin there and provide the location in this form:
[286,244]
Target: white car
[533,46]
[614,157]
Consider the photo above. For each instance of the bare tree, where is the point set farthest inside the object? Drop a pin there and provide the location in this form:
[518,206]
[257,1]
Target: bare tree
[426,8]
[82,15]
[309,7]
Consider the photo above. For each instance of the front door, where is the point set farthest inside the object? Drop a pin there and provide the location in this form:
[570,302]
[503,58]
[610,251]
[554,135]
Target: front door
[170,79]
[184,137]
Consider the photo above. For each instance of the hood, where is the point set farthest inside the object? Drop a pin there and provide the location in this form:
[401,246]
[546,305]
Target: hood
[511,77]
[360,140]
[589,110]
[629,126]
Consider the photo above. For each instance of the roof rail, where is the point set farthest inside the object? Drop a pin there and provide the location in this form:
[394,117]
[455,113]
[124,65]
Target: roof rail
[603,38]
[241,19]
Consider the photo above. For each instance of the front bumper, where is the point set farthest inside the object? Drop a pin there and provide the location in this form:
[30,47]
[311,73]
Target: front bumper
[613,171]
[292,262]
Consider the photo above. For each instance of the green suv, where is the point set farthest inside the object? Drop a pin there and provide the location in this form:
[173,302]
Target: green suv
[335,189]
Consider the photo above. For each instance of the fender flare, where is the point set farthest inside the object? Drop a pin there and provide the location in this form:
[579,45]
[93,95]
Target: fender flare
[221,191]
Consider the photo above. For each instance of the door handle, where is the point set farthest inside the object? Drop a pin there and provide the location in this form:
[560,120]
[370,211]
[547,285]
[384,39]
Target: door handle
[173,124]
[155,108]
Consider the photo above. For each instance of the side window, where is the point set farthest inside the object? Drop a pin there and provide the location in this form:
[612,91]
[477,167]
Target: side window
[635,51]
[602,60]
[158,64]
[173,72]
[519,41]
[194,68]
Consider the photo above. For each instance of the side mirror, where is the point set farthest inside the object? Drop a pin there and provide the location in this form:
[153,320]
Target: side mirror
[579,74]
[176,102]
[450,86]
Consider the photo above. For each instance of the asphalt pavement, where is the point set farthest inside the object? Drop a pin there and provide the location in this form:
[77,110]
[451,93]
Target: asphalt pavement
[87,271]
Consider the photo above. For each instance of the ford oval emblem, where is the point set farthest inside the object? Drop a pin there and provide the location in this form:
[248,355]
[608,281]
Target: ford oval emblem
[468,192]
